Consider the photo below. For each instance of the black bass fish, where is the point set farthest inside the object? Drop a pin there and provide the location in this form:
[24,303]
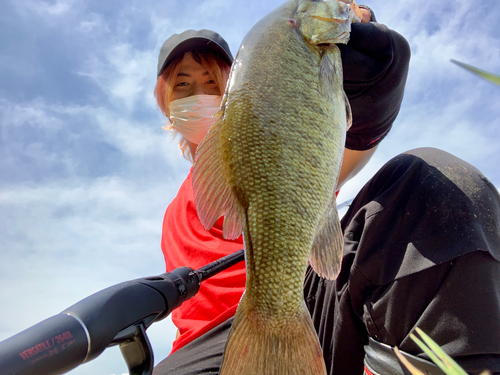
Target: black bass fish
[270,165]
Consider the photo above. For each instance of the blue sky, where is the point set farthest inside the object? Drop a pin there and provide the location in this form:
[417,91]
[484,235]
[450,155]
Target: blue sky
[87,172]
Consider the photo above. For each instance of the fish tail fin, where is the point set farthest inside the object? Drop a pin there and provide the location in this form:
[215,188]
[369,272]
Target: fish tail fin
[326,253]
[253,347]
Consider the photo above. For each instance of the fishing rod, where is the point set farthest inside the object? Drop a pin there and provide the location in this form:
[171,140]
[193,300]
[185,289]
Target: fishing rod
[347,203]
[118,315]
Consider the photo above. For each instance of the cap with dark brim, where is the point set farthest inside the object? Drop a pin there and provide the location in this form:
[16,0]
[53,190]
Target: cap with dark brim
[191,40]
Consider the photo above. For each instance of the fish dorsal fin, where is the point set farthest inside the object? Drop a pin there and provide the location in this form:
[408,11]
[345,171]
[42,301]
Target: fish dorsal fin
[212,193]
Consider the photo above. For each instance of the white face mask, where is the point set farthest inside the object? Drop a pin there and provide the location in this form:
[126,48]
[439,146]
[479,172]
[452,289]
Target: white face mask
[193,116]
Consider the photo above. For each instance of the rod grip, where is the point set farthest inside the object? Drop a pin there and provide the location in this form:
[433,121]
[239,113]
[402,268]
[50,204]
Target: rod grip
[53,346]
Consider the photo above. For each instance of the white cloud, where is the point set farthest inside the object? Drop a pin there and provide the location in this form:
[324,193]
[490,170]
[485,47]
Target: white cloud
[93,23]
[133,138]
[79,215]
[63,242]
[56,8]
[36,113]
[124,76]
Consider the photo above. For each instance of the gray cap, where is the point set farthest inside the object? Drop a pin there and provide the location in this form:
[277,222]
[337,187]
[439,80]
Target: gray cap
[191,40]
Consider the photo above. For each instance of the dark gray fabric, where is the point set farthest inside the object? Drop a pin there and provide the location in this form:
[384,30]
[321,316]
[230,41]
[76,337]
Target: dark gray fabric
[421,248]
[201,356]
[422,243]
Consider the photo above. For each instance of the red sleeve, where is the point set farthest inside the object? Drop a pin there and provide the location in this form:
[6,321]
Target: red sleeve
[185,243]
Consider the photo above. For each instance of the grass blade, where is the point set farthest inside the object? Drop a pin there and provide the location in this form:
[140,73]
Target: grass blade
[430,353]
[487,76]
[450,366]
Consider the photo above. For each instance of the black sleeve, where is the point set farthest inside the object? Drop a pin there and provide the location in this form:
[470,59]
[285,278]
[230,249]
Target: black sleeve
[375,63]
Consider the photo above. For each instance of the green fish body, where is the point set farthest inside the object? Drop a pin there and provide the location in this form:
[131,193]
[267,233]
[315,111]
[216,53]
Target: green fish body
[270,165]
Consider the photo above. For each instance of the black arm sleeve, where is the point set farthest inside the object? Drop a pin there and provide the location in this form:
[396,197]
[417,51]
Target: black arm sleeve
[375,63]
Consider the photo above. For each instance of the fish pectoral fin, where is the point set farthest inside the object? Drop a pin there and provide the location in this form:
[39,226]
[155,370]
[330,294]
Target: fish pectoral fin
[348,112]
[255,347]
[330,76]
[212,193]
[326,253]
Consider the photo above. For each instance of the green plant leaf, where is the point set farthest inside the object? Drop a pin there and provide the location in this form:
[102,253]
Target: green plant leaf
[487,76]
[432,355]
[435,353]
[450,366]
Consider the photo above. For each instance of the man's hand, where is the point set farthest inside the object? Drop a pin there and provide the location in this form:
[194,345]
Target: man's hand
[366,16]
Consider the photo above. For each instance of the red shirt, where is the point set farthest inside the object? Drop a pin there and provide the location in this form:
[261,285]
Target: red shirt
[185,243]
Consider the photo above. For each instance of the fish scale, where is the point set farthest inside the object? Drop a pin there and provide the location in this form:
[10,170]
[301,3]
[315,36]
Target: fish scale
[270,165]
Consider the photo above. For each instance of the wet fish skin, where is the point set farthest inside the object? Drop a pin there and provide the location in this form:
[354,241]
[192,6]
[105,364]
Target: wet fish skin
[270,164]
